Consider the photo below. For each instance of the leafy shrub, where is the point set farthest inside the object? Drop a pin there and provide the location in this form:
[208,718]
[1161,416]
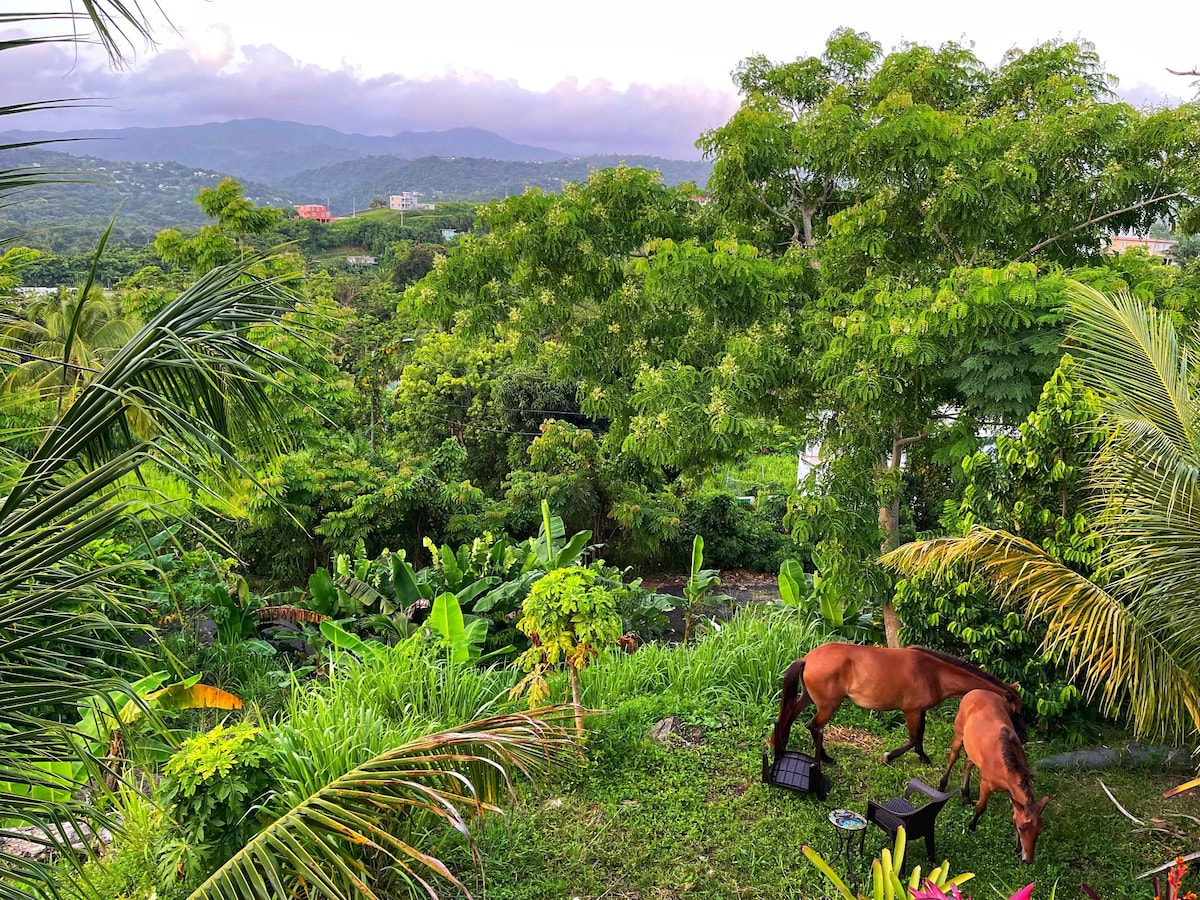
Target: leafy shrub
[735,536]
[569,618]
[1031,485]
[129,871]
[215,785]
[643,612]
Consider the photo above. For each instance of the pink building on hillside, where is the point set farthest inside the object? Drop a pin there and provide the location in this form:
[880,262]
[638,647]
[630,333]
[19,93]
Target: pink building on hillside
[313,211]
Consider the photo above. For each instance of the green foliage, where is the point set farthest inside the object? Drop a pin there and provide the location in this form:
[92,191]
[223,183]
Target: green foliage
[448,391]
[925,159]
[61,340]
[1033,485]
[697,590]
[737,536]
[623,258]
[795,584]
[215,245]
[808,593]
[623,503]
[462,637]
[214,787]
[572,616]
[569,618]
[324,501]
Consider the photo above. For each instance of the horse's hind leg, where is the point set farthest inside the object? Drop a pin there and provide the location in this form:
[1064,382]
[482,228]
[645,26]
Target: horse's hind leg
[955,751]
[817,728]
[915,721]
[966,785]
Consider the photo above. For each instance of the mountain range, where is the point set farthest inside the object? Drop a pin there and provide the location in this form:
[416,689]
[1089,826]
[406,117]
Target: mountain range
[154,173]
[266,150]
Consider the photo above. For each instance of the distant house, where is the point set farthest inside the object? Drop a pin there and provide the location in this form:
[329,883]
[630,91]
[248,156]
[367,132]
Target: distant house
[361,260]
[1160,247]
[314,211]
[448,234]
[407,202]
[701,199]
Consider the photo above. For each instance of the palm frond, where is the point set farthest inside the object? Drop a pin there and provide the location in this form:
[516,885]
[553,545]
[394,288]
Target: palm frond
[114,24]
[1132,356]
[452,777]
[1133,666]
[198,382]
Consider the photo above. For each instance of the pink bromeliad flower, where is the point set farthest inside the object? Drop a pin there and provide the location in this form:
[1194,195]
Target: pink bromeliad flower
[930,891]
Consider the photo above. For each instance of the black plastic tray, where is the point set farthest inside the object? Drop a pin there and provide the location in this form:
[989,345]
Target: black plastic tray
[796,772]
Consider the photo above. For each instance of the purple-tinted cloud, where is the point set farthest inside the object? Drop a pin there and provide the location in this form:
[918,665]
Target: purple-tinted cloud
[193,85]
[1146,96]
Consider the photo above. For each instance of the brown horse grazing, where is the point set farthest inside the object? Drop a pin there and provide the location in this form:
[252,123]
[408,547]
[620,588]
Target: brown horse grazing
[911,679]
[983,726]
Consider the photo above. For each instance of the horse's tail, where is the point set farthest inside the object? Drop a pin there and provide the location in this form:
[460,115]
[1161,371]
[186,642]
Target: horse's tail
[789,706]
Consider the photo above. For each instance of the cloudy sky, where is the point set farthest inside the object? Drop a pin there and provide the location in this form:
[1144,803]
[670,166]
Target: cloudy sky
[622,76]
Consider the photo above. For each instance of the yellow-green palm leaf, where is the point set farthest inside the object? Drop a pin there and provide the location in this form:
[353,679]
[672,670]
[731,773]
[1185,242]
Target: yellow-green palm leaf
[1130,666]
[452,777]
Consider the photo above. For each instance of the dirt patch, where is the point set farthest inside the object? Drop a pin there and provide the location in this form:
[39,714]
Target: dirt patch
[853,737]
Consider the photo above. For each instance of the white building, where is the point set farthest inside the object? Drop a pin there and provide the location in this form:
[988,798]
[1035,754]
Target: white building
[407,202]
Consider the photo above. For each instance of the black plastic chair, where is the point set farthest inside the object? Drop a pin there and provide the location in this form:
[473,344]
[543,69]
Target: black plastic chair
[917,820]
[797,772]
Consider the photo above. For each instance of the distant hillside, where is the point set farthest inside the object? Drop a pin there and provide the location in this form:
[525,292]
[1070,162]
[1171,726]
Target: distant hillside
[352,185]
[267,150]
[150,196]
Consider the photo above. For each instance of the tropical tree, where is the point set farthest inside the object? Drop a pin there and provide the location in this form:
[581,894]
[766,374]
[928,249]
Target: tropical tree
[62,340]
[237,221]
[917,184]
[1133,643]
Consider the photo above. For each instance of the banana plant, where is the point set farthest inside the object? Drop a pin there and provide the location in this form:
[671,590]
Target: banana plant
[463,636]
[553,530]
[821,595]
[795,585]
[885,874]
[698,588]
[340,640]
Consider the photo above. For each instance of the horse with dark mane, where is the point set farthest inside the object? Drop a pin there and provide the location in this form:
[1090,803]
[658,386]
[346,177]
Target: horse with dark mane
[911,679]
[983,726]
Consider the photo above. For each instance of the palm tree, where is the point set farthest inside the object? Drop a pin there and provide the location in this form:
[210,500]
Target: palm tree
[193,373]
[62,340]
[1134,643]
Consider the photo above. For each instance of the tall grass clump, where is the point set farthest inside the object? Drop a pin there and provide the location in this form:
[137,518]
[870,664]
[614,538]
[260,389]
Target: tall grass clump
[371,705]
[736,663]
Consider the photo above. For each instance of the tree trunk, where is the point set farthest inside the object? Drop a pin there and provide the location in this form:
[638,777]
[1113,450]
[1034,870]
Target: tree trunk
[577,699]
[889,519]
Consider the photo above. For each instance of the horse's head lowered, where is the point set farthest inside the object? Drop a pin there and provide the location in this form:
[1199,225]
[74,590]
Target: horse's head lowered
[1027,817]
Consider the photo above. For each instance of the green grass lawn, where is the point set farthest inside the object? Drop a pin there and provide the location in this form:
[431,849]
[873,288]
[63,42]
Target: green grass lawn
[693,819]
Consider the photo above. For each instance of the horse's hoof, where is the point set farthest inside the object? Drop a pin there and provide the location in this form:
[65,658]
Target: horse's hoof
[925,759]
[887,759]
